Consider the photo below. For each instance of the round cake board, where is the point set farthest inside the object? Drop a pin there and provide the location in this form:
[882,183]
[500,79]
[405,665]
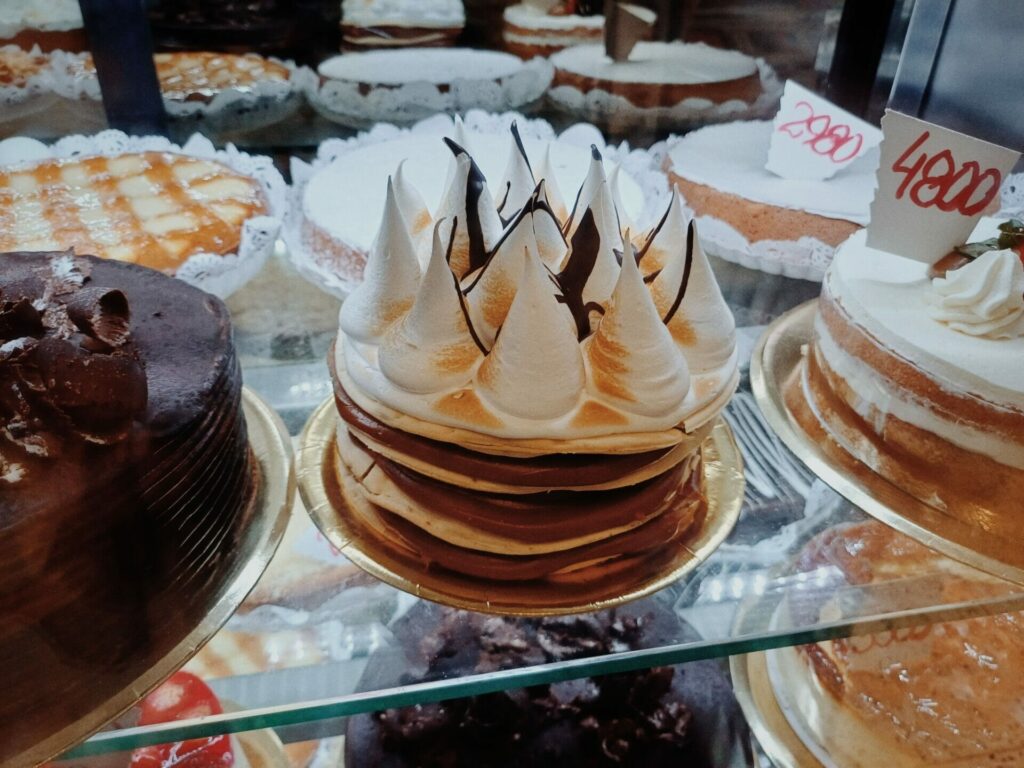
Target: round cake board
[778,358]
[325,500]
[267,518]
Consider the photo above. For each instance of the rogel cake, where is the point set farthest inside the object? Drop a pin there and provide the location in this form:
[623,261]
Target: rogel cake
[153,208]
[524,408]
[751,216]
[49,24]
[377,24]
[542,28]
[665,716]
[661,84]
[919,372]
[944,694]
[125,478]
[340,220]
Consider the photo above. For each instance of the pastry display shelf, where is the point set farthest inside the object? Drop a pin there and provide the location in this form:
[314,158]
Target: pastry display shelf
[283,328]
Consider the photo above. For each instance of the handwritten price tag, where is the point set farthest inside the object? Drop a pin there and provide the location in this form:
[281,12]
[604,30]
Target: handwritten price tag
[813,138]
[933,186]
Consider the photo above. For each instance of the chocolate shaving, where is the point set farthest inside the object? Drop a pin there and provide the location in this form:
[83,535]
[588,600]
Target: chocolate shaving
[101,313]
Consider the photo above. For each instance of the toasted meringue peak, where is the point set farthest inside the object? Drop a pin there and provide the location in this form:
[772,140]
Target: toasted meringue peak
[631,357]
[517,184]
[588,197]
[535,369]
[433,347]
[689,300]
[491,290]
[666,239]
[468,208]
[551,243]
[411,204]
[625,222]
[545,172]
[390,280]
[592,268]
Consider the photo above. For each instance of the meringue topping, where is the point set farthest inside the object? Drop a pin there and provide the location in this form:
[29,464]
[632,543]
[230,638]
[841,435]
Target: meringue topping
[551,243]
[468,210]
[517,184]
[632,359]
[390,279]
[433,347]
[535,369]
[552,194]
[411,204]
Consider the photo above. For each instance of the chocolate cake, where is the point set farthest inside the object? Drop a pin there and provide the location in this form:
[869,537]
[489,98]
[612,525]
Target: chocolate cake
[684,715]
[125,478]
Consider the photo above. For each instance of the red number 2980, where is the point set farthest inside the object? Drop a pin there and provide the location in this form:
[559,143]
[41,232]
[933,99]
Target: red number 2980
[836,141]
[937,181]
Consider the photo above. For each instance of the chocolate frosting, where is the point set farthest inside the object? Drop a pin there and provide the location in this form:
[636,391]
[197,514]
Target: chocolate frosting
[678,716]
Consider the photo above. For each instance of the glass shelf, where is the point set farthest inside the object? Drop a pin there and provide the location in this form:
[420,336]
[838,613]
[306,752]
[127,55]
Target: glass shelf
[284,328]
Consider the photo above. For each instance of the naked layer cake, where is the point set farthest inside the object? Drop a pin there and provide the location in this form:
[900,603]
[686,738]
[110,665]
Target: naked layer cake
[919,372]
[377,24]
[125,478]
[542,28]
[751,216]
[944,694]
[526,408]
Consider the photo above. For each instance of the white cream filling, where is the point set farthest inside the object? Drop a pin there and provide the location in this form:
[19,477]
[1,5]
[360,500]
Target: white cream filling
[876,401]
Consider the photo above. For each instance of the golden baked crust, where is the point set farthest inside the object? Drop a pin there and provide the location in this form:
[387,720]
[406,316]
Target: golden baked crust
[151,208]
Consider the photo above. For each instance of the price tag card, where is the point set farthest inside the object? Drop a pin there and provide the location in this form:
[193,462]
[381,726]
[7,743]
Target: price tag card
[812,138]
[933,186]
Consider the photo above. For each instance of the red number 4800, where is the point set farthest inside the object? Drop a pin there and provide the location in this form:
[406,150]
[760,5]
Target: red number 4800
[937,181]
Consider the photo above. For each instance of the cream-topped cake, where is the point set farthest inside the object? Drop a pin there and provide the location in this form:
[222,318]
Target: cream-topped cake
[49,24]
[947,694]
[918,371]
[749,214]
[523,394]
[530,29]
[340,219]
[376,24]
[661,83]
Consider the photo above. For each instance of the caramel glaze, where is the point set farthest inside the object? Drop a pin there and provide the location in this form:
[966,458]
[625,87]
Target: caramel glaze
[659,534]
[555,470]
[113,550]
[539,517]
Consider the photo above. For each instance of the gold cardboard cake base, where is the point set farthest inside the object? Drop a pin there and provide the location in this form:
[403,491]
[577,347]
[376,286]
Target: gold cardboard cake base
[761,708]
[267,518]
[319,486]
[778,358]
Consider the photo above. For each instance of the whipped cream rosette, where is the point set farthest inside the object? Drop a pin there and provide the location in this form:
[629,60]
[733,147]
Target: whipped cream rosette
[523,393]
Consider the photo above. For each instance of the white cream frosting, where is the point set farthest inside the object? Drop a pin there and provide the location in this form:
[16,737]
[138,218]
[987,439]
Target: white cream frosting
[411,13]
[45,15]
[438,66]
[984,297]
[658,63]
[731,157]
[352,212]
[535,369]
[890,297]
[498,350]
[390,280]
[432,348]
[527,16]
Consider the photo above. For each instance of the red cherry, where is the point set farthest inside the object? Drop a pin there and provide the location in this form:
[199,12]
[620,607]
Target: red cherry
[182,697]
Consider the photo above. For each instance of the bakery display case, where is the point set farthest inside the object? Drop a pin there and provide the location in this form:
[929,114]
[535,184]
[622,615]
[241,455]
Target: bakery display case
[521,297]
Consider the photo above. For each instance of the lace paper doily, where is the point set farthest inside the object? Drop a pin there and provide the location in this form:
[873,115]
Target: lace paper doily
[351,104]
[637,163]
[218,274]
[617,111]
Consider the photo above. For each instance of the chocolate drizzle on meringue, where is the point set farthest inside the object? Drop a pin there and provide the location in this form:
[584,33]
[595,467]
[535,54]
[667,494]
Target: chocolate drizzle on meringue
[520,150]
[458,290]
[475,185]
[686,275]
[586,244]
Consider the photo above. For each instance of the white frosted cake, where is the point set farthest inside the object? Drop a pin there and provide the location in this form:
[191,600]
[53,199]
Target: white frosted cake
[754,217]
[49,24]
[377,24]
[402,86]
[529,31]
[340,218]
[661,84]
[918,372]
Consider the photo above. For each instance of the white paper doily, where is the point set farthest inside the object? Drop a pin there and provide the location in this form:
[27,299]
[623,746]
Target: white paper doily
[351,104]
[34,95]
[640,165]
[218,274]
[617,112]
